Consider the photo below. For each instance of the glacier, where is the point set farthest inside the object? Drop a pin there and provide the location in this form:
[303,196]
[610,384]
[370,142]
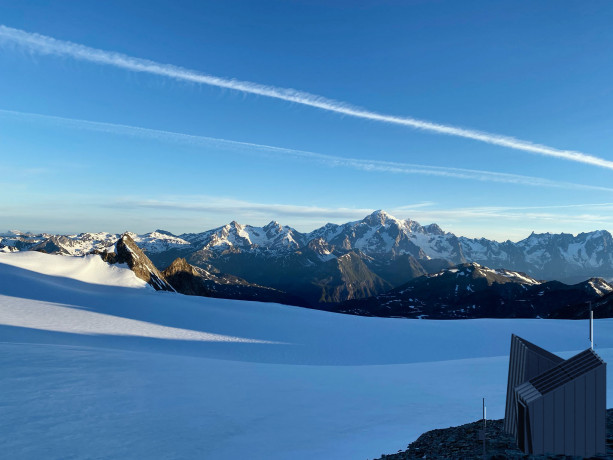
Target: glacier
[95,364]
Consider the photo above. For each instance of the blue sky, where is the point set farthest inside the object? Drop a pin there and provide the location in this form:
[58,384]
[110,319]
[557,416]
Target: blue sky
[89,144]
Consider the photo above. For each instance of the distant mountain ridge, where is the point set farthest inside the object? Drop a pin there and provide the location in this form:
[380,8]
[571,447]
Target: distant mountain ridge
[474,291]
[564,257]
[344,262]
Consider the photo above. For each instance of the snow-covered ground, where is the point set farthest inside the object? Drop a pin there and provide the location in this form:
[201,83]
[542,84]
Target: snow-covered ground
[95,365]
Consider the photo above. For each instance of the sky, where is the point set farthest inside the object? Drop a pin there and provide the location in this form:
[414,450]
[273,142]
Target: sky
[491,119]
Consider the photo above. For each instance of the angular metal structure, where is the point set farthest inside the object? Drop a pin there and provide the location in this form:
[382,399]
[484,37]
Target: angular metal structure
[526,361]
[560,411]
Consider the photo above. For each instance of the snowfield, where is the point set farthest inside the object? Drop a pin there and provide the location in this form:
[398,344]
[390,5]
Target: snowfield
[94,364]
[89,269]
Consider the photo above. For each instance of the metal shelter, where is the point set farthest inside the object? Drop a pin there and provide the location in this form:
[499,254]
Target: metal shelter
[562,409]
[526,361]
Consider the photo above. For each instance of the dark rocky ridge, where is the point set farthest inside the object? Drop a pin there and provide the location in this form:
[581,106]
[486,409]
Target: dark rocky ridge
[309,274]
[184,278]
[53,245]
[190,280]
[127,252]
[365,259]
[461,442]
[603,308]
[475,291]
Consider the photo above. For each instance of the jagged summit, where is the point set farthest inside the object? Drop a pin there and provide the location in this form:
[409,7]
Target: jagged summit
[163,232]
[15,233]
[380,217]
[190,280]
[394,249]
[434,229]
[272,224]
[179,265]
[126,251]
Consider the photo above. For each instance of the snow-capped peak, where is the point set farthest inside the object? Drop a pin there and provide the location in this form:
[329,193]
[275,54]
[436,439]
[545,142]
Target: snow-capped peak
[381,217]
[600,286]
[273,224]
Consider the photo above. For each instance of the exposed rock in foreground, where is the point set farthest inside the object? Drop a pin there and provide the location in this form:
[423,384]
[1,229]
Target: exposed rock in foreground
[463,442]
[127,252]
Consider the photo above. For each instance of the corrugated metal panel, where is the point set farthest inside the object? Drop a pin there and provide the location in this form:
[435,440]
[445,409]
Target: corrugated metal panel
[590,413]
[579,415]
[600,394]
[566,407]
[569,423]
[559,420]
[526,361]
[566,371]
[537,419]
[548,422]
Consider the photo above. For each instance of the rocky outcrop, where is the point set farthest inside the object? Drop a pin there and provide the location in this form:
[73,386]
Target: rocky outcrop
[474,291]
[463,442]
[125,251]
[185,278]
[602,308]
[52,245]
[209,282]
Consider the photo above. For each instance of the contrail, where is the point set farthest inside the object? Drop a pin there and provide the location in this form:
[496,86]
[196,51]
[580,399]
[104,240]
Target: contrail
[330,160]
[47,45]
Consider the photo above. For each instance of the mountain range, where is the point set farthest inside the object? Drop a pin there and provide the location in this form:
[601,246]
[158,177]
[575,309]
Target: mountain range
[474,291]
[340,264]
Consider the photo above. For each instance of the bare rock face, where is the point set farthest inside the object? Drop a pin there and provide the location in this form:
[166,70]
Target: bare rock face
[127,252]
[190,280]
[52,245]
[186,279]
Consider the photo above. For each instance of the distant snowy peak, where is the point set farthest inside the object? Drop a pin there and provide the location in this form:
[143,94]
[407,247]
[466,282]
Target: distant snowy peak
[517,277]
[474,270]
[73,245]
[379,237]
[322,249]
[86,243]
[381,218]
[159,241]
[586,250]
[15,233]
[381,233]
[599,286]
[271,237]
[434,229]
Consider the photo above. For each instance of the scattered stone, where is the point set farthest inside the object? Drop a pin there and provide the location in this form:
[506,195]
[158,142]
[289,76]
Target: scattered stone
[462,442]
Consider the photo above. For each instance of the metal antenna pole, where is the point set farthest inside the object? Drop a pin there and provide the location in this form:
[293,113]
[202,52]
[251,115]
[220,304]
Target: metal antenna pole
[484,457]
[591,327]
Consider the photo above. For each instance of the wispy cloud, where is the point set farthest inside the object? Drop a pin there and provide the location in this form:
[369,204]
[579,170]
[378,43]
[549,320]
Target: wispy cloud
[427,211]
[49,46]
[498,222]
[330,160]
[196,213]
[600,214]
[234,207]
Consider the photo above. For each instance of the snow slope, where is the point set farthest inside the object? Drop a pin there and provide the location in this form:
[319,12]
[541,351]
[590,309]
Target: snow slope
[89,269]
[114,371]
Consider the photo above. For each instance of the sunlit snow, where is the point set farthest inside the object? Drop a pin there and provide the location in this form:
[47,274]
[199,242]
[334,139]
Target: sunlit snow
[112,370]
